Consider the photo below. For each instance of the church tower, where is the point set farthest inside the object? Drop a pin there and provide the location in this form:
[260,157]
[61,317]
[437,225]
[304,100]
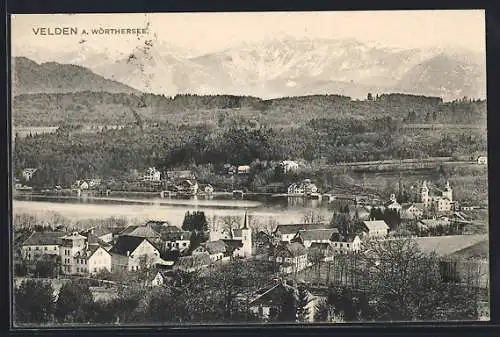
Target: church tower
[448,191]
[246,238]
[424,194]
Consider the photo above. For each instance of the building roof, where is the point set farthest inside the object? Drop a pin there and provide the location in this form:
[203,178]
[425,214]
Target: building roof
[162,223]
[141,231]
[431,223]
[44,239]
[272,296]
[88,252]
[215,247]
[94,239]
[446,246]
[126,244]
[317,234]
[176,236]
[73,236]
[294,228]
[391,203]
[320,245]
[407,206]
[193,261]
[376,225]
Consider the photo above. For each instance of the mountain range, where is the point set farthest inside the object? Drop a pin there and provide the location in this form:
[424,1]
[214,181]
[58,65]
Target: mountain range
[269,69]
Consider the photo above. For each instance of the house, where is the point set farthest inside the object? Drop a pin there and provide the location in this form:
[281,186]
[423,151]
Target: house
[129,253]
[309,187]
[71,245]
[295,189]
[28,173]
[180,175]
[177,240]
[193,262]
[92,259]
[267,302]
[307,237]
[375,228]
[84,185]
[155,280]
[287,232]
[412,211]
[289,166]
[187,186]
[347,245]
[152,174]
[244,169]
[292,257]
[39,243]
[482,160]
[392,204]
[217,250]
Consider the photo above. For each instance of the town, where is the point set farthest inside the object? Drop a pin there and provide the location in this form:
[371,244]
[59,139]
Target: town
[306,259]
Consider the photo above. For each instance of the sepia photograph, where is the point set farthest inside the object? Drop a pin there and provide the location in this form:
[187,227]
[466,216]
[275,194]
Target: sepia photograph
[255,168]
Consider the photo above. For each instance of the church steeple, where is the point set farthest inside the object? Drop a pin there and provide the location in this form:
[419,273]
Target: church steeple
[245,221]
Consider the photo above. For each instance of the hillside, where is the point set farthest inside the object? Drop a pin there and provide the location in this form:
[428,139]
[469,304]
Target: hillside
[29,77]
[119,108]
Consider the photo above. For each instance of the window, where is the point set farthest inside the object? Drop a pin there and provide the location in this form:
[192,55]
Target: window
[184,244]
[45,248]
[36,248]
[77,270]
[95,270]
[55,248]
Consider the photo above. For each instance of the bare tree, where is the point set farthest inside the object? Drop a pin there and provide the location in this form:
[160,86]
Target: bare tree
[230,222]
[313,217]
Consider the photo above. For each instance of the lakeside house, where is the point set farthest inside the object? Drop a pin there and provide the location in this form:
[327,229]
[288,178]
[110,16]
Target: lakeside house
[305,187]
[244,169]
[151,174]
[482,160]
[28,173]
[289,166]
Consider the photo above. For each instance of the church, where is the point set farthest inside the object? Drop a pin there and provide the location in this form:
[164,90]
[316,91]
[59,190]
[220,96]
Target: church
[441,201]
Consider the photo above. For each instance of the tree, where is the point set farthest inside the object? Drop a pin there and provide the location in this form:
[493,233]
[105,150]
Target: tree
[288,308]
[315,256]
[195,221]
[74,302]
[404,284]
[230,222]
[302,304]
[33,302]
[47,266]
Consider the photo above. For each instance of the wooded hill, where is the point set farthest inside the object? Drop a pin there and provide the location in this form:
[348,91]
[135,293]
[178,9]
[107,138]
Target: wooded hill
[103,108]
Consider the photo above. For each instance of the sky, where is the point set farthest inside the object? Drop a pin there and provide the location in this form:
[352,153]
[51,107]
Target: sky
[202,33]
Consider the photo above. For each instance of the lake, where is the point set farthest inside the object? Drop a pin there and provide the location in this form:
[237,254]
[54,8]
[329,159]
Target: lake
[172,210]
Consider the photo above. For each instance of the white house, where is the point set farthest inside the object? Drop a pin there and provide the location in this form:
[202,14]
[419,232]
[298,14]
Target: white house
[287,232]
[376,228]
[28,173]
[307,237]
[209,189]
[216,249]
[152,174]
[482,160]
[92,259]
[130,251]
[295,189]
[412,211]
[289,166]
[243,169]
[348,245]
[40,243]
[292,257]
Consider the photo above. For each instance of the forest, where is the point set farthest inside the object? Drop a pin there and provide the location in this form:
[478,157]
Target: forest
[103,108]
[70,154]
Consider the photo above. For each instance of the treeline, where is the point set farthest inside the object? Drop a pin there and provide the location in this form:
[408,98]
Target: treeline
[68,155]
[116,108]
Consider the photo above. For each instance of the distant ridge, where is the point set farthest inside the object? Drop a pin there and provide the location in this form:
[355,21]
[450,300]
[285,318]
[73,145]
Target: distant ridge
[30,77]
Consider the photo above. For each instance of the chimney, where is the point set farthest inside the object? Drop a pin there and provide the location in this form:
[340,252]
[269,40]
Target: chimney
[128,253]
